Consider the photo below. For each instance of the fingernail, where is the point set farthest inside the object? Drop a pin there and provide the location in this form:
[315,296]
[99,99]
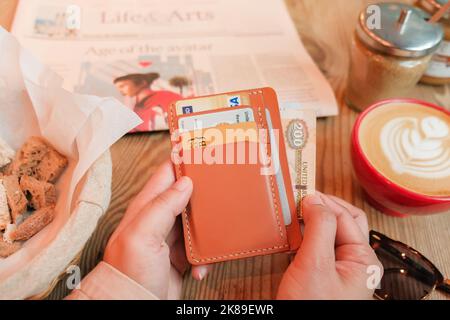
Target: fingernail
[201,274]
[182,184]
[314,200]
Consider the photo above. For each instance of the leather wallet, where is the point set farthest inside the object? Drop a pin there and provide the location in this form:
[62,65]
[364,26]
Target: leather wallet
[236,210]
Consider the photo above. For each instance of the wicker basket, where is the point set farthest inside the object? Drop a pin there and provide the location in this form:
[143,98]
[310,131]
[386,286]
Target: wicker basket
[38,278]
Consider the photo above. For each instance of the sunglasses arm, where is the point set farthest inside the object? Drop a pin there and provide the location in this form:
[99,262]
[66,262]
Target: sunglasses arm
[444,286]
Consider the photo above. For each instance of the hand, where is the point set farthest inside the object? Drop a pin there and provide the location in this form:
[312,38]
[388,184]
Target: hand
[148,245]
[334,256]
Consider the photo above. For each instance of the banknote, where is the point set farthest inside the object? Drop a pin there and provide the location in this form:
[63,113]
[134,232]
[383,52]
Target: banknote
[299,128]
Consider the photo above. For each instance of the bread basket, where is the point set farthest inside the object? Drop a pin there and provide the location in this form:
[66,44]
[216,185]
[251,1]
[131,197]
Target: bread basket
[37,279]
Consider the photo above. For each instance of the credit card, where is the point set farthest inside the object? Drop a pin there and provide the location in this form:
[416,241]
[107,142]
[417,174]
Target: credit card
[211,103]
[279,175]
[205,121]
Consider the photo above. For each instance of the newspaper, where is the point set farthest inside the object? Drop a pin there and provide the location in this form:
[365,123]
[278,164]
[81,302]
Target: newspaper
[148,53]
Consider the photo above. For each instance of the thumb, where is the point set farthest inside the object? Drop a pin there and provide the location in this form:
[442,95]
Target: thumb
[158,217]
[319,237]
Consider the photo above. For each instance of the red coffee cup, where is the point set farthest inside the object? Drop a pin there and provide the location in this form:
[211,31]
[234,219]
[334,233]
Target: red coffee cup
[383,194]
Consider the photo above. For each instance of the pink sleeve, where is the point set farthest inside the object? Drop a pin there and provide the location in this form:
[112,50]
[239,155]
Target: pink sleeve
[107,283]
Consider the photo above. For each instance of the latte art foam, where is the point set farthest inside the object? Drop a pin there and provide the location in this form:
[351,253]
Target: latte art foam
[409,144]
[417,146]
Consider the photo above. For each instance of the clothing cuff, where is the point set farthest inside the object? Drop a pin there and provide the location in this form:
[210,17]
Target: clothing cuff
[105,282]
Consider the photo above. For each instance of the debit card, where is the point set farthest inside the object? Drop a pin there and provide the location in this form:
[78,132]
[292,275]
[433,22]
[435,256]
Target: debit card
[205,121]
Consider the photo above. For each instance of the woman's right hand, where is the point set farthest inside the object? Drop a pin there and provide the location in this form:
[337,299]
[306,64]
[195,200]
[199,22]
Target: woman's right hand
[334,258]
[148,245]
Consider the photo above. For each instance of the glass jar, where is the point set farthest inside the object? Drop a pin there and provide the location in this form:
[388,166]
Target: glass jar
[438,72]
[389,59]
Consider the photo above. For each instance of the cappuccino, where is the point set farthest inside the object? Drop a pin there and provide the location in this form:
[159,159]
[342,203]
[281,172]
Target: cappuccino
[409,144]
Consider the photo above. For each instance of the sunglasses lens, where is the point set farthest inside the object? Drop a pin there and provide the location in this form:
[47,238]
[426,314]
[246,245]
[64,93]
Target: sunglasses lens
[406,277]
[398,285]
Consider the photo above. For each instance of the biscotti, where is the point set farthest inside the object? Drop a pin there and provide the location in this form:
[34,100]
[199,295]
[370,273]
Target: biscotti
[40,194]
[7,233]
[38,159]
[16,199]
[27,191]
[28,157]
[33,224]
[5,217]
[6,153]
[51,166]
[7,249]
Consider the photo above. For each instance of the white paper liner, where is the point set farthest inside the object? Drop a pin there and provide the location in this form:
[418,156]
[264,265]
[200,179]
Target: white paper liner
[81,127]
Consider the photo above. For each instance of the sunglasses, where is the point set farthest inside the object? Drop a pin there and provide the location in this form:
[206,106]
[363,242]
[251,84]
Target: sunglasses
[408,275]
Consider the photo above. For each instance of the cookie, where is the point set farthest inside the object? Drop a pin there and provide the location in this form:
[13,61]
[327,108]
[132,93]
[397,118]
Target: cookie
[16,198]
[7,233]
[38,159]
[6,153]
[39,193]
[32,225]
[7,249]
[5,217]
[51,166]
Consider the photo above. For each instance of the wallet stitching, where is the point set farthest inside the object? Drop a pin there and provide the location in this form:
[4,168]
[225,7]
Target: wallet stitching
[178,168]
[240,253]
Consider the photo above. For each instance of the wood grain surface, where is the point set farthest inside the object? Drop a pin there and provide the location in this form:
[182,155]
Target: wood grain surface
[326,29]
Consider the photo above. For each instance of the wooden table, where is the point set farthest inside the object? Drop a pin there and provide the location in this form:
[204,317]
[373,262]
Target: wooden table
[326,28]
